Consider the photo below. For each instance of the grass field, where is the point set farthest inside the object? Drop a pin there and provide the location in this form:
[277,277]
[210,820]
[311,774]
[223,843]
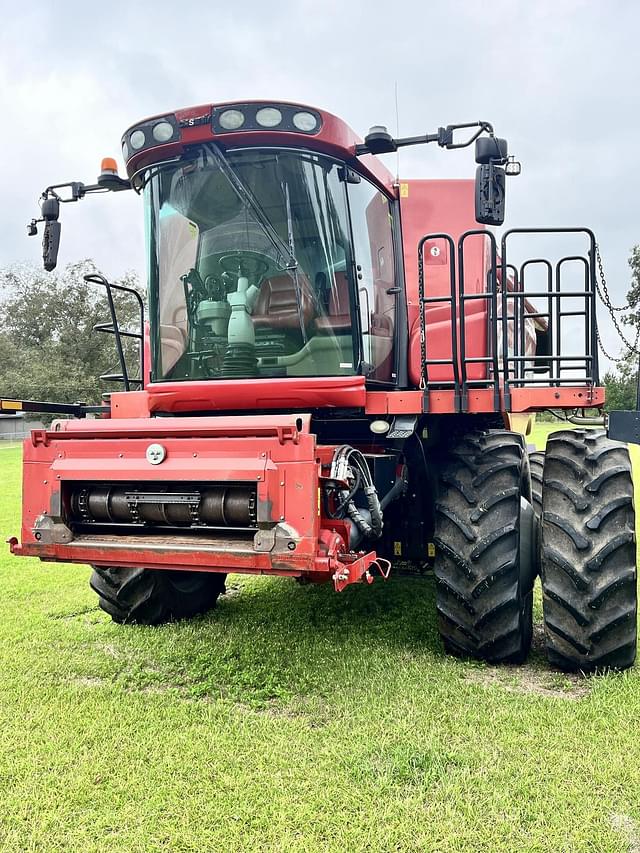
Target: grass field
[293,719]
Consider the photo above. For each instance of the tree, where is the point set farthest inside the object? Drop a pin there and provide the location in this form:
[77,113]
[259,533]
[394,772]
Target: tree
[621,383]
[633,295]
[48,349]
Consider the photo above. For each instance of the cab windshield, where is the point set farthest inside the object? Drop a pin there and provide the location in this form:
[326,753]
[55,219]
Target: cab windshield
[252,269]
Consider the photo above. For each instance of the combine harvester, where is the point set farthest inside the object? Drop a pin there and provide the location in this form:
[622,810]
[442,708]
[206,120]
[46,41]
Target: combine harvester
[335,374]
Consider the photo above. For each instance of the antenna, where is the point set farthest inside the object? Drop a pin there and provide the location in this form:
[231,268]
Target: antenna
[397,134]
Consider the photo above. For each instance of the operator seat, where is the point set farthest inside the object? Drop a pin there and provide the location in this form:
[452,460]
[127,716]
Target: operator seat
[337,320]
[173,344]
[277,304]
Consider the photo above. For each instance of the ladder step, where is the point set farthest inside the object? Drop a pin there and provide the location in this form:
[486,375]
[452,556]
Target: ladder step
[118,377]
[109,329]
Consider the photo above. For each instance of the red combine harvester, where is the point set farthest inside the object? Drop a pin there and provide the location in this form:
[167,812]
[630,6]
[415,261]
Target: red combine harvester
[335,373]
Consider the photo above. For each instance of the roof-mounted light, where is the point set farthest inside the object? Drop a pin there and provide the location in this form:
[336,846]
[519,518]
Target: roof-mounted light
[162,131]
[269,117]
[137,139]
[232,119]
[261,116]
[304,121]
[157,131]
[108,166]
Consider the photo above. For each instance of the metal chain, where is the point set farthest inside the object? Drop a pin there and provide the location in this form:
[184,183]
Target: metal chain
[606,298]
[604,352]
[603,292]
[423,339]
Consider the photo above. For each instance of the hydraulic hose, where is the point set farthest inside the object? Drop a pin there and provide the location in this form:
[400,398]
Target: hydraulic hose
[580,420]
[349,464]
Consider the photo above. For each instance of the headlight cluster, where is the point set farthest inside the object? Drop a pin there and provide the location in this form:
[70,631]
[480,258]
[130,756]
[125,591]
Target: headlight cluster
[265,117]
[236,117]
[154,132]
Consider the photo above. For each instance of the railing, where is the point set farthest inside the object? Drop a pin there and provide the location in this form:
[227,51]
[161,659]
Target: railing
[507,300]
[112,327]
[450,300]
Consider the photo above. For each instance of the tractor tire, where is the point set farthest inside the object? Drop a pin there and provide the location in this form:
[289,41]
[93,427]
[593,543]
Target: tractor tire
[485,540]
[151,597]
[536,465]
[588,553]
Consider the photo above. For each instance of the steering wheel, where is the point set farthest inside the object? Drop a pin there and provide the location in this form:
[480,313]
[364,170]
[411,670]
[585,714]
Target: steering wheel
[244,263]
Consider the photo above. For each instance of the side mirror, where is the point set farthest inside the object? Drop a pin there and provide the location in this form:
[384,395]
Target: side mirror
[51,238]
[491,149]
[490,191]
[50,244]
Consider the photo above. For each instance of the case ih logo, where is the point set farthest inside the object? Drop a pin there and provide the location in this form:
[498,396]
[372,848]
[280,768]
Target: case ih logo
[155,454]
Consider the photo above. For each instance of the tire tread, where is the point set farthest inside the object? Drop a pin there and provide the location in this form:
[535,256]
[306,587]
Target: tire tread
[482,610]
[588,552]
[148,596]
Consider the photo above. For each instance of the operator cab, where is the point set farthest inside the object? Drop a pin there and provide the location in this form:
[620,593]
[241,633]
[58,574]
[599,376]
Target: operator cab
[274,245]
[269,262]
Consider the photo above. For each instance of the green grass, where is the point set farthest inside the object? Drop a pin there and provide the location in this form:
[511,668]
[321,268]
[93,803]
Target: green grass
[293,719]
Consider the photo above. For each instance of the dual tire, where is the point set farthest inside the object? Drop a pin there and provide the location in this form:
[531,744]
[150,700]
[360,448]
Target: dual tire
[502,517]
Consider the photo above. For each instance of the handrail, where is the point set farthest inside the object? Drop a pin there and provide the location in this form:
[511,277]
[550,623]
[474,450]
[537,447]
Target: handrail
[509,364]
[113,328]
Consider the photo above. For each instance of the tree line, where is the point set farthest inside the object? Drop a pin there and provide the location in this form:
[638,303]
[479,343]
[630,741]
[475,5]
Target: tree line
[621,382]
[48,349]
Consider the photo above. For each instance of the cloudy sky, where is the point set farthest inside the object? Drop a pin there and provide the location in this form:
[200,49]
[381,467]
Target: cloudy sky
[561,80]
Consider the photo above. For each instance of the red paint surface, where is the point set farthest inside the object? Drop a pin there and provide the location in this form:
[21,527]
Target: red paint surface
[443,206]
[287,393]
[277,454]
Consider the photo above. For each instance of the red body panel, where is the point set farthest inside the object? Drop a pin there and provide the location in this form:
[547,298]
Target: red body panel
[295,393]
[481,400]
[442,206]
[247,394]
[277,454]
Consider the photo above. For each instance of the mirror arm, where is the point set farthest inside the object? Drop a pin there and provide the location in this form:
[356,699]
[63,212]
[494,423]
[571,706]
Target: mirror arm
[50,202]
[380,141]
[483,127]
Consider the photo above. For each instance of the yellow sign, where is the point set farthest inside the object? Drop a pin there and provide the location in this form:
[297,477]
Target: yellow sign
[397,549]
[404,190]
[431,550]
[11,405]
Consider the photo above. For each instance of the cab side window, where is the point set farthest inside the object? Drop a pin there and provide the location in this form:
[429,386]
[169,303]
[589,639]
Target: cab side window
[371,222]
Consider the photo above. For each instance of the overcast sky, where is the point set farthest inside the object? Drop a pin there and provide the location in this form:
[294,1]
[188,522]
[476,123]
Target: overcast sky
[561,80]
